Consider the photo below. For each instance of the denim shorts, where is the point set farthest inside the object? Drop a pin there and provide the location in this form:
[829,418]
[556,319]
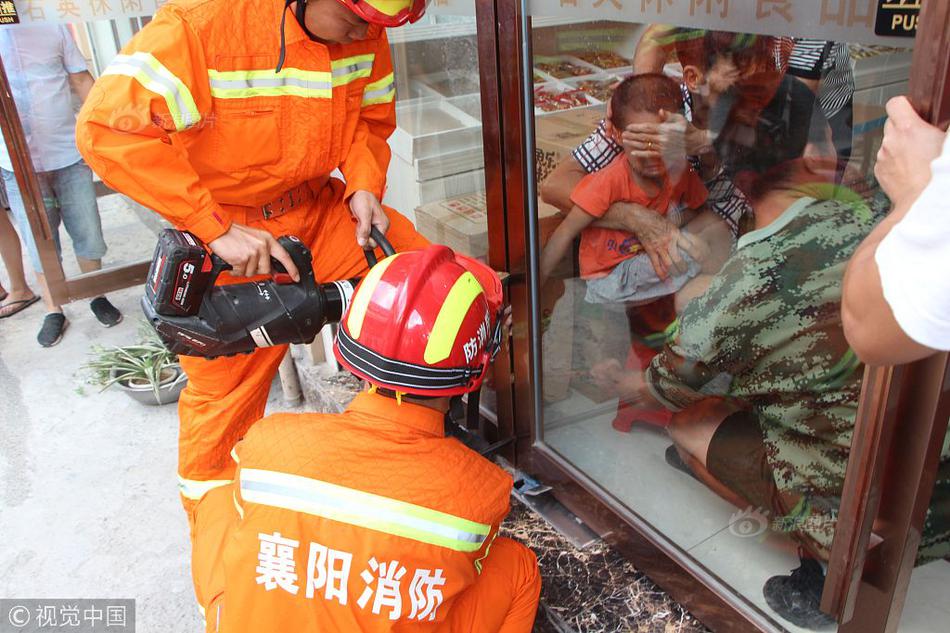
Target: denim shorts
[70,199]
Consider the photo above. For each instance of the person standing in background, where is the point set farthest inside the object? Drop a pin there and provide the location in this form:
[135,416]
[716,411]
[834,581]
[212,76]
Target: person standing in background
[20,296]
[45,70]
[825,67]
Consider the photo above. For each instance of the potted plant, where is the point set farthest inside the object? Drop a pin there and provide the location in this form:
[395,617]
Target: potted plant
[148,372]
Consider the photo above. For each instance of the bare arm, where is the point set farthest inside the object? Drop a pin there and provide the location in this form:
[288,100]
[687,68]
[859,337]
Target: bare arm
[656,234]
[869,323]
[81,84]
[559,185]
[560,241]
[651,55]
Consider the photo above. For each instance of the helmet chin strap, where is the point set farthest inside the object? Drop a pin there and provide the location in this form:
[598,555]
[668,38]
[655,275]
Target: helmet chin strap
[300,14]
[468,411]
[301,18]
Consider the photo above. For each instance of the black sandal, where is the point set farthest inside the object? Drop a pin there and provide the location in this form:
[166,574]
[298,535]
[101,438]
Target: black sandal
[22,304]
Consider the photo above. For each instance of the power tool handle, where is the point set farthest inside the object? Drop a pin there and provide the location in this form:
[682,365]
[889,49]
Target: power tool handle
[278,272]
[218,266]
[301,257]
[383,243]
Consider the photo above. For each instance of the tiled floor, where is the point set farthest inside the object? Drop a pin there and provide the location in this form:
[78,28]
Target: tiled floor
[732,544]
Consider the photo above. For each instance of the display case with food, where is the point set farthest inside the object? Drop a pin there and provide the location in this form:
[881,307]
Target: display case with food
[557,97]
[602,59]
[563,67]
[599,88]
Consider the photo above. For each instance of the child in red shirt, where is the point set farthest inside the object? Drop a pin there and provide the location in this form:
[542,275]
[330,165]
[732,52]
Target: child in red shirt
[612,260]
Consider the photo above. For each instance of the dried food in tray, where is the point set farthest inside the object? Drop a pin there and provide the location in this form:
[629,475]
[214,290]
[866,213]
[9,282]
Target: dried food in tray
[548,99]
[561,68]
[599,89]
[602,59]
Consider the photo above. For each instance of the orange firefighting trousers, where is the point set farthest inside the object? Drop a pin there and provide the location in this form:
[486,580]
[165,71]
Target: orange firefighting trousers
[225,396]
[504,599]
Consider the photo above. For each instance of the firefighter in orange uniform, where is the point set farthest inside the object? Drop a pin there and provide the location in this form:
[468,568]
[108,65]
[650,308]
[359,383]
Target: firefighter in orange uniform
[227,117]
[372,520]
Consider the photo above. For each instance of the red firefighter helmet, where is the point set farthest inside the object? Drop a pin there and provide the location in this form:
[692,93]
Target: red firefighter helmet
[387,13]
[424,323]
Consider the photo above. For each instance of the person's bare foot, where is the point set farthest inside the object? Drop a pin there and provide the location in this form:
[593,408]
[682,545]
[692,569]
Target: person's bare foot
[17,301]
[611,376]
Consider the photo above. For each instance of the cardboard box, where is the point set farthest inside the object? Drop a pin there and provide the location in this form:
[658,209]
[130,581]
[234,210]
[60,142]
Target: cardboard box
[557,134]
[461,223]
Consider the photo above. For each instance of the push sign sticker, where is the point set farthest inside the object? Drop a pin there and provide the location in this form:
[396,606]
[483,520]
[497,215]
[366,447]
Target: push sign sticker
[8,14]
[897,18]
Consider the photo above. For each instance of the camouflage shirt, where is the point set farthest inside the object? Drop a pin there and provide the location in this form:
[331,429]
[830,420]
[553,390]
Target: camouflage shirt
[770,324]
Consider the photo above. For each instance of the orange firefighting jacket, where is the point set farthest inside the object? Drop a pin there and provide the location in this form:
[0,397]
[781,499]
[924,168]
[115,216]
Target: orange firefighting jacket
[370,520]
[191,115]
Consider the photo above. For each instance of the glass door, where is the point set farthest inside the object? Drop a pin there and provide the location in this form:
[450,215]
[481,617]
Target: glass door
[51,54]
[702,173]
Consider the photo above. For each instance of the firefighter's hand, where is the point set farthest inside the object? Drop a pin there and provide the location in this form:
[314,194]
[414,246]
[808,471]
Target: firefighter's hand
[368,212]
[249,251]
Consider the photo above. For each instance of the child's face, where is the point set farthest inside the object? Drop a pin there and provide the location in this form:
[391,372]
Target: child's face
[649,167]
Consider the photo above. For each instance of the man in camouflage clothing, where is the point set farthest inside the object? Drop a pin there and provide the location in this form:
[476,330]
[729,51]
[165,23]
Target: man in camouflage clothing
[765,343]
[770,321]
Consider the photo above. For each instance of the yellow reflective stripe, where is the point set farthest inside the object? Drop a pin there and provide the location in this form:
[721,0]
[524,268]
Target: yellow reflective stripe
[234,455]
[480,559]
[153,76]
[197,488]
[382,91]
[361,509]
[236,84]
[349,69]
[450,317]
[363,295]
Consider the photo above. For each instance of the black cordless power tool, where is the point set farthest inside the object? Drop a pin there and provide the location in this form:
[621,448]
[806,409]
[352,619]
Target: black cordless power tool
[195,317]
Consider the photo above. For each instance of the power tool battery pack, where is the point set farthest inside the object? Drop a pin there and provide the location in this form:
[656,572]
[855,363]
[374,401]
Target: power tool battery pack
[179,276]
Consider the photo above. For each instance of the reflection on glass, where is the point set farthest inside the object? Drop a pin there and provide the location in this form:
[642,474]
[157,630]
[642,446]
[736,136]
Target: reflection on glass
[436,176]
[51,69]
[709,197]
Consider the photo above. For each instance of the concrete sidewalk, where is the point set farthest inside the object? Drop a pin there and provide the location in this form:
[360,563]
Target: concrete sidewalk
[88,500]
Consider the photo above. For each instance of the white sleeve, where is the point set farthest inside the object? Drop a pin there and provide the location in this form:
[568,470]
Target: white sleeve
[914,262]
[73,60]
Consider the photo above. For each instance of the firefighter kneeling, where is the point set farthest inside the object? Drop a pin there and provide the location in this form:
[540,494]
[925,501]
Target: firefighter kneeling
[372,520]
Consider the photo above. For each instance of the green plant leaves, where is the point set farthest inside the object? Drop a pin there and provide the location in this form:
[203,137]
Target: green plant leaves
[144,362]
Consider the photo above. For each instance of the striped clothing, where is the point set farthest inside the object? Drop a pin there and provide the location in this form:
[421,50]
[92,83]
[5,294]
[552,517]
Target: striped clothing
[829,62]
